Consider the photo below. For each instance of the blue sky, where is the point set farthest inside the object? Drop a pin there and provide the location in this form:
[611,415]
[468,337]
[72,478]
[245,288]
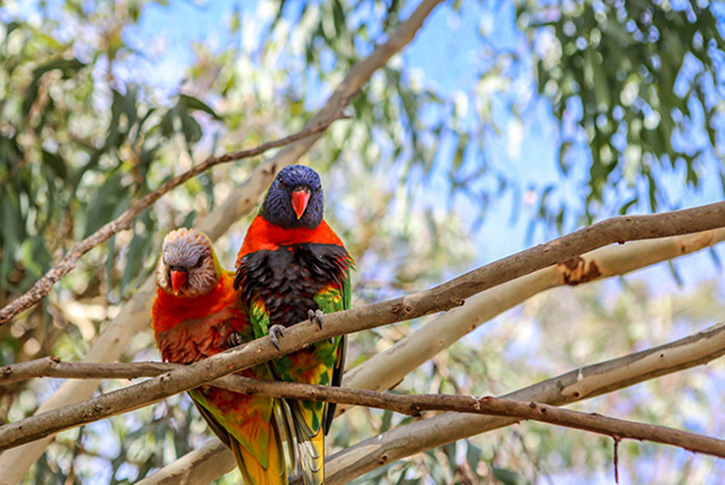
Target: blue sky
[448,55]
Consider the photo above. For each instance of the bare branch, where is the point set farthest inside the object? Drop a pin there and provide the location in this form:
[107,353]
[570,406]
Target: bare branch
[439,298]
[43,286]
[133,316]
[382,371]
[202,465]
[54,367]
[213,460]
[579,384]
[412,404]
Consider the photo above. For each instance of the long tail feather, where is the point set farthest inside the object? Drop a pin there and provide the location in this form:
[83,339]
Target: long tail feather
[312,459]
[253,472]
[250,461]
[310,445]
[337,372]
[289,437]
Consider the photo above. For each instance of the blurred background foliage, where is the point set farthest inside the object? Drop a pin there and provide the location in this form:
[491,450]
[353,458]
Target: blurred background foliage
[92,117]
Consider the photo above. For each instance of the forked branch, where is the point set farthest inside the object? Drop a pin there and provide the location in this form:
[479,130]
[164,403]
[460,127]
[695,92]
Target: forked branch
[212,460]
[43,286]
[439,298]
[412,404]
[132,316]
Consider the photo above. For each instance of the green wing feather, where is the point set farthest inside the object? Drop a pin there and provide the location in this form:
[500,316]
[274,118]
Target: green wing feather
[339,368]
[322,363]
[247,425]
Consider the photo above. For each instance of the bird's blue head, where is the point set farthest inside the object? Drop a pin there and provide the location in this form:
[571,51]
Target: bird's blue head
[295,198]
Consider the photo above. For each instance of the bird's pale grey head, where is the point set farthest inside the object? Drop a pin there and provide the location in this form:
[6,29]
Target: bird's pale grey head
[187,266]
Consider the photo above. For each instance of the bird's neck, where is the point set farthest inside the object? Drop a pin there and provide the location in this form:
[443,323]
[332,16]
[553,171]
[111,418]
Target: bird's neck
[263,235]
[170,310]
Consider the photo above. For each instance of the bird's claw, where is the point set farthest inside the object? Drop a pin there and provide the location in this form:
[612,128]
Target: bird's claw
[234,340]
[316,316]
[275,332]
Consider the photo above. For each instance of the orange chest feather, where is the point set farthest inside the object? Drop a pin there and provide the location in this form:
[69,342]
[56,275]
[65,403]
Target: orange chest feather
[189,329]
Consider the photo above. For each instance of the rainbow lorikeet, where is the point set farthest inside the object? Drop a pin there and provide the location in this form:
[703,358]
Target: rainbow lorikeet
[292,267]
[196,314]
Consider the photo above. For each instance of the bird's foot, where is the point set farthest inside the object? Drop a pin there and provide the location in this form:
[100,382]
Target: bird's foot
[275,332]
[234,340]
[316,316]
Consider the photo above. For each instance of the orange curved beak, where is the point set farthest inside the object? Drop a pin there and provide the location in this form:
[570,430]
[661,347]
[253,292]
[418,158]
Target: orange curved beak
[178,279]
[300,199]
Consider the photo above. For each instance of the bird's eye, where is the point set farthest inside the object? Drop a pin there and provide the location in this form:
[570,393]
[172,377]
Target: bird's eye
[198,263]
[281,184]
[318,190]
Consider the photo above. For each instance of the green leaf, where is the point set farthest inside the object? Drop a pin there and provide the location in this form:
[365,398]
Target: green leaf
[473,455]
[34,256]
[461,147]
[56,163]
[208,185]
[110,200]
[166,125]
[675,274]
[129,102]
[189,220]
[191,128]
[11,230]
[507,477]
[339,17]
[69,67]
[192,103]
[623,210]
[134,259]
[386,421]
[110,259]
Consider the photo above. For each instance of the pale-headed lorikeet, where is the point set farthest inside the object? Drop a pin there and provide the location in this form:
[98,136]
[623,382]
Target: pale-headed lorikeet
[292,267]
[196,314]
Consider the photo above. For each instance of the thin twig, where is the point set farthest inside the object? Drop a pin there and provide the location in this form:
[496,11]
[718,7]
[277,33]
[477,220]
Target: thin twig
[408,353]
[412,405]
[384,369]
[617,439]
[576,385]
[43,286]
[442,297]
[213,460]
[54,367]
[243,199]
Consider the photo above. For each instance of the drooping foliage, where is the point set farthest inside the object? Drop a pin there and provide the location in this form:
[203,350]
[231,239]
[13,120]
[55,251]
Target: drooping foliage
[100,102]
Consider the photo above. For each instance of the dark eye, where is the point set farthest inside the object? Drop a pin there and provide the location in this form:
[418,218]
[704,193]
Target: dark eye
[198,263]
[318,190]
[281,184]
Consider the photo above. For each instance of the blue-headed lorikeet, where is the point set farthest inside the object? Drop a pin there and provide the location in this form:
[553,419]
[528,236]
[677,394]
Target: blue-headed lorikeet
[197,313]
[292,266]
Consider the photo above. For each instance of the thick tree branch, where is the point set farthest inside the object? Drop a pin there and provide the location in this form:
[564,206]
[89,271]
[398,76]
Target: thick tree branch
[579,384]
[382,371]
[43,286]
[439,298]
[412,405]
[202,465]
[213,460]
[134,313]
